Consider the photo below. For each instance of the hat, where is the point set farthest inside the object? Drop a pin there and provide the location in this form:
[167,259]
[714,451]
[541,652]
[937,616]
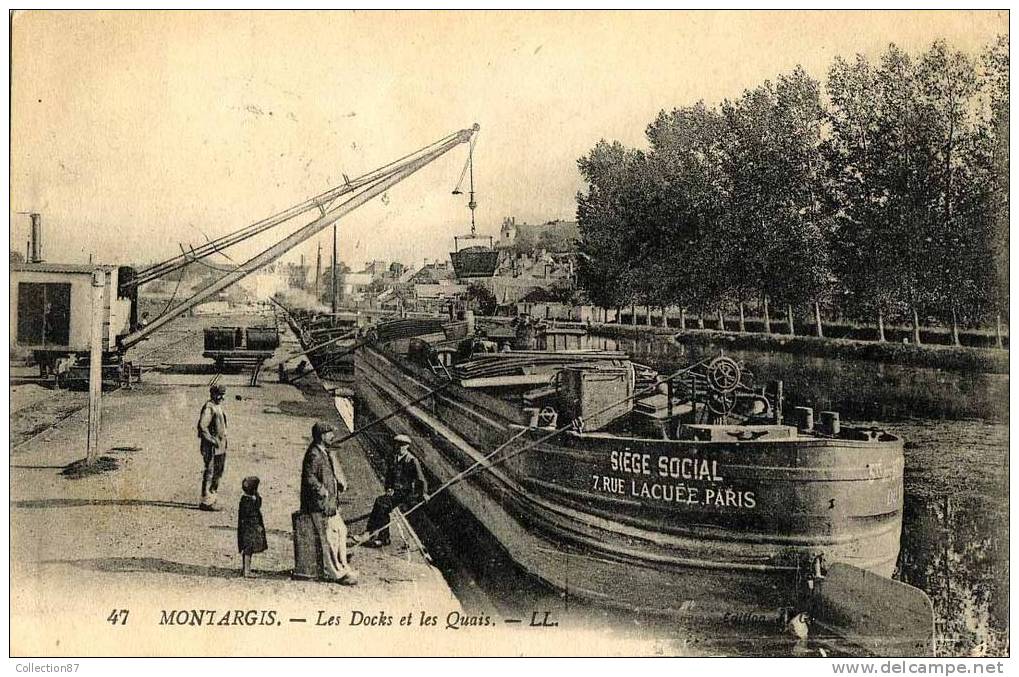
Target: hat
[320,429]
[217,389]
[402,439]
[250,484]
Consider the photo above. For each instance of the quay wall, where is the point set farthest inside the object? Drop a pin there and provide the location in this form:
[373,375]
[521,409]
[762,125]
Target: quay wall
[863,380]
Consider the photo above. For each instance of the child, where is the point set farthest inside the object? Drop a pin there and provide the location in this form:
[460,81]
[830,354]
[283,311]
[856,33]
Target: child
[250,528]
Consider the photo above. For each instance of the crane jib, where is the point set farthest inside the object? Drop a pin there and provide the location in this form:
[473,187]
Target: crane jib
[399,171]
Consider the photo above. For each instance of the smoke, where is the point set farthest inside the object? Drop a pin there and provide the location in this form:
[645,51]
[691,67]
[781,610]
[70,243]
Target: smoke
[298,299]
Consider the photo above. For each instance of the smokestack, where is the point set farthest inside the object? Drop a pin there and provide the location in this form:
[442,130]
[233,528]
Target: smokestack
[36,239]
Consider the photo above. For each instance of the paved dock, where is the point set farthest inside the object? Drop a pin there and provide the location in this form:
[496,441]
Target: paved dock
[131,538]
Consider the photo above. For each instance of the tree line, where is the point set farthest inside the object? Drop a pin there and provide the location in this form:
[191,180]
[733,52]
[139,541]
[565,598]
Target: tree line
[885,191]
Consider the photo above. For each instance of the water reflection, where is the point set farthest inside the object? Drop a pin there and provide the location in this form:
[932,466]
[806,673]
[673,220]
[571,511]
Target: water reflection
[955,530]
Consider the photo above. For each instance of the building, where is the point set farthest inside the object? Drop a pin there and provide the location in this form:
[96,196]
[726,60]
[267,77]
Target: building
[557,236]
[352,286]
[51,308]
[431,273]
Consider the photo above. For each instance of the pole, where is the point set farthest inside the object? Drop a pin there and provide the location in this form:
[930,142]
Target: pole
[767,317]
[334,270]
[880,326]
[997,327]
[916,327]
[742,319]
[955,328]
[95,368]
[318,272]
[817,319]
[789,315]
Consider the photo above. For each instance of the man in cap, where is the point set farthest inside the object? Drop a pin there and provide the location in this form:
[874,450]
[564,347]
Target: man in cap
[322,481]
[405,486]
[212,444]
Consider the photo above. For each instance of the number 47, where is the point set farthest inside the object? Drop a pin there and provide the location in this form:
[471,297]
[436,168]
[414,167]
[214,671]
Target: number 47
[117,616]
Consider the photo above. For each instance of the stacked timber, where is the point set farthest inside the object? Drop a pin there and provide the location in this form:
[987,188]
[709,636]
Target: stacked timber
[528,367]
[407,328]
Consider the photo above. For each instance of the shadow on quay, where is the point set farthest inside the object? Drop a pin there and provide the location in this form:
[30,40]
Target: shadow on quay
[44,503]
[162,566]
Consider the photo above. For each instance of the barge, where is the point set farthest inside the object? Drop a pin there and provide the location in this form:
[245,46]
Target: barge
[631,489]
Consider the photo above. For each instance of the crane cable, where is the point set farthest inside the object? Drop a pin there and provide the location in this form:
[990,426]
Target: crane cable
[324,200]
[241,265]
[467,163]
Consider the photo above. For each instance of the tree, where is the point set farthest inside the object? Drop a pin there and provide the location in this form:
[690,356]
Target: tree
[482,298]
[558,237]
[908,172]
[604,266]
[686,163]
[775,208]
[891,197]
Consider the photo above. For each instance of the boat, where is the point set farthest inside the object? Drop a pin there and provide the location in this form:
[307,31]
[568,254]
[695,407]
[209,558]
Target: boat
[634,489]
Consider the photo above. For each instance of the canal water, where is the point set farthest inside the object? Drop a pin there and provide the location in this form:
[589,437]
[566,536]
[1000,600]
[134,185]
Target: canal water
[954,546]
[954,542]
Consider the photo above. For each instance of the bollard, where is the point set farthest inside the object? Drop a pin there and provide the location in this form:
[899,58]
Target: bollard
[776,387]
[829,423]
[804,419]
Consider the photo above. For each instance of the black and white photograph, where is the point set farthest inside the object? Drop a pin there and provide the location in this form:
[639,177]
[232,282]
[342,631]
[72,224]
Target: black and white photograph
[516,333]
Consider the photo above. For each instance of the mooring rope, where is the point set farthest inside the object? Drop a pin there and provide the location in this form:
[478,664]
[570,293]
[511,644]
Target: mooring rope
[476,466]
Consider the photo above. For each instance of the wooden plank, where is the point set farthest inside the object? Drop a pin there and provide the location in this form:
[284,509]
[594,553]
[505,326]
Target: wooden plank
[503,381]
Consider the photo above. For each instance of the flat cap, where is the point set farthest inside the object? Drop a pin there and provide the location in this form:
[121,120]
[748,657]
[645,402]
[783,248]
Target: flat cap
[217,389]
[401,439]
[321,428]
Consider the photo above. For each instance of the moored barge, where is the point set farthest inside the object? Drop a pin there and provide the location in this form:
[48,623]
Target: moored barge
[629,488]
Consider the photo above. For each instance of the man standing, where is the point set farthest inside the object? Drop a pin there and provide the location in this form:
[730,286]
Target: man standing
[405,486]
[322,481]
[212,436]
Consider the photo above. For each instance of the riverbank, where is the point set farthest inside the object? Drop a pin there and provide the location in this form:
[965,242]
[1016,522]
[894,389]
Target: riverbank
[934,356]
[838,377]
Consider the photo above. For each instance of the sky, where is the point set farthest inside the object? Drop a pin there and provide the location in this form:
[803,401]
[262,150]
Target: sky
[135,132]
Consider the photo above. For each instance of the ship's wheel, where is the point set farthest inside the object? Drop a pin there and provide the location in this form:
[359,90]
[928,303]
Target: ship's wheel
[724,375]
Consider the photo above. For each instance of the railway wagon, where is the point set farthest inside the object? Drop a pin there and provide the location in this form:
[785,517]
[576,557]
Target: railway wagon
[51,309]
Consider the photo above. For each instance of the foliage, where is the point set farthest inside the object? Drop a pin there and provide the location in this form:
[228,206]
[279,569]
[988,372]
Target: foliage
[482,298]
[558,236]
[890,193]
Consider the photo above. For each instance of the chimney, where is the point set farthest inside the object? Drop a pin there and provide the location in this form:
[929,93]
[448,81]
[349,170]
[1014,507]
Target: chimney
[36,239]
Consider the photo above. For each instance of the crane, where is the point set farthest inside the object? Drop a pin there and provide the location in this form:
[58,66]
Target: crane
[332,205]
